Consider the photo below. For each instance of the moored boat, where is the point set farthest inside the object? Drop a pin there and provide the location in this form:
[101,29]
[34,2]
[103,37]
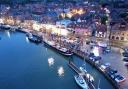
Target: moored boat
[6,27]
[88,76]
[33,38]
[57,47]
[83,69]
[81,82]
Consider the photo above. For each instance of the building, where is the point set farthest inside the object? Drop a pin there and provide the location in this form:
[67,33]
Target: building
[80,28]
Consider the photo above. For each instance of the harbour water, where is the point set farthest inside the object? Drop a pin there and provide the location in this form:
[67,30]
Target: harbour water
[25,65]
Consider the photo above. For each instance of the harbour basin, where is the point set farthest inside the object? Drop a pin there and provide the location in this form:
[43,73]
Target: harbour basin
[25,65]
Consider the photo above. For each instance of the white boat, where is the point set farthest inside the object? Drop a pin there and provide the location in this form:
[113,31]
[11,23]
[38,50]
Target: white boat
[33,38]
[83,69]
[58,48]
[81,82]
[6,27]
[89,76]
[29,35]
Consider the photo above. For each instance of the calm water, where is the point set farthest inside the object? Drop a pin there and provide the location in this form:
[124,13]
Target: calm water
[24,65]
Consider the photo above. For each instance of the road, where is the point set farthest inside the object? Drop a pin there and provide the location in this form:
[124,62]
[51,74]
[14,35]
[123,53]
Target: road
[115,59]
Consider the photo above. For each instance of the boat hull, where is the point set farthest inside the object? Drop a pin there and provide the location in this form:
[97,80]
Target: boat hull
[83,85]
[61,52]
[35,40]
[4,27]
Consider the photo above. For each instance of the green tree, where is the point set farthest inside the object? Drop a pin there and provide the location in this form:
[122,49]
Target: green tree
[104,19]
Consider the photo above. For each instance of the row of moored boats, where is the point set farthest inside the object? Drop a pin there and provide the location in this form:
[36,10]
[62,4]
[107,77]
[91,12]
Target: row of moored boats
[36,39]
[56,46]
[64,51]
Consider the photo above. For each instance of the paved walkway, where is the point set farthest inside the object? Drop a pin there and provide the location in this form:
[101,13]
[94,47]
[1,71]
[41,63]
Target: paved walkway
[115,59]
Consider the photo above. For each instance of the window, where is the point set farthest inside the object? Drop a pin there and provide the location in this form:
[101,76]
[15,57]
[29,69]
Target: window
[122,38]
[117,38]
[113,37]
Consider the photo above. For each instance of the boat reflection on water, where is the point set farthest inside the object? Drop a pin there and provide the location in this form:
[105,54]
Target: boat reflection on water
[8,34]
[60,71]
[46,49]
[50,61]
[27,40]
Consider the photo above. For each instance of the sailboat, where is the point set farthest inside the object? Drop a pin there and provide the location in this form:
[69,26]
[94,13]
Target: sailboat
[81,82]
[83,69]
[58,48]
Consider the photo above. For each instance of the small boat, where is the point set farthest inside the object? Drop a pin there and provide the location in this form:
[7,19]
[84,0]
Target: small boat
[29,35]
[33,38]
[6,27]
[81,82]
[83,69]
[89,76]
[58,48]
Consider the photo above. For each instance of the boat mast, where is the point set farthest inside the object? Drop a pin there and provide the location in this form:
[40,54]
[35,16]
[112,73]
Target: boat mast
[84,62]
[98,84]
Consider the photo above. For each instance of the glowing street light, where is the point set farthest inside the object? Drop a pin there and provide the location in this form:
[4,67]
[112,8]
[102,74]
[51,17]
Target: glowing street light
[80,11]
[69,15]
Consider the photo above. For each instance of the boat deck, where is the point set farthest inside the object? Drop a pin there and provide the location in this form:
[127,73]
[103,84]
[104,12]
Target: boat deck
[77,70]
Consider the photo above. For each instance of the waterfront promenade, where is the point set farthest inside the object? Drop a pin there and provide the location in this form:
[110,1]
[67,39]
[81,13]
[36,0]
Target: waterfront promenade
[115,58]
[79,53]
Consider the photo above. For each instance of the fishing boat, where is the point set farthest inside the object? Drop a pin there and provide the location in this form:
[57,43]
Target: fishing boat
[83,70]
[33,38]
[81,82]
[58,48]
[6,27]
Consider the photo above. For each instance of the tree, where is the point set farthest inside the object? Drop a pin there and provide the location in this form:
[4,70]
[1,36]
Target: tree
[104,19]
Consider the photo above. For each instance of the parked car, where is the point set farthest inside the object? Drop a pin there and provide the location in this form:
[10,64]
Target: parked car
[119,78]
[112,73]
[95,58]
[126,50]
[108,50]
[125,59]
[125,54]
[126,63]
[103,68]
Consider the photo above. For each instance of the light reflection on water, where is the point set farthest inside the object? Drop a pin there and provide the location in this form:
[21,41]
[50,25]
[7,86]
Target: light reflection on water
[8,34]
[27,40]
[50,61]
[60,71]
[31,66]
[46,49]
